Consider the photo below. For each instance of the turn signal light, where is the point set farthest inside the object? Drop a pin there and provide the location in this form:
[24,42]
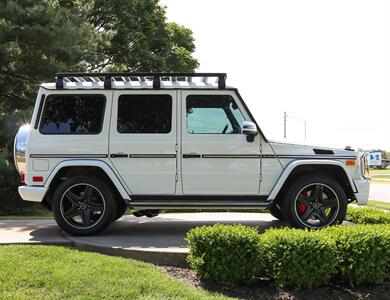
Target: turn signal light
[350,162]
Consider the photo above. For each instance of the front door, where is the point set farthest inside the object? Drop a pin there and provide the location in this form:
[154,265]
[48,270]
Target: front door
[143,140]
[217,159]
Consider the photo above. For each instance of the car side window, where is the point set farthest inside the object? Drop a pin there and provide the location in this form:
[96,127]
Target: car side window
[144,114]
[73,114]
[213,114]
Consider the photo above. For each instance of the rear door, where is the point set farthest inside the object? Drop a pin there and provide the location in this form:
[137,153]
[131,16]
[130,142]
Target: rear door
[217,159]
[143,140]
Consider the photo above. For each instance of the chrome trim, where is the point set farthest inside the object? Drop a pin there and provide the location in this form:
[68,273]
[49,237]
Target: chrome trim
[308,156]
[152,155]
[364,166]
[68,155]
[230,156]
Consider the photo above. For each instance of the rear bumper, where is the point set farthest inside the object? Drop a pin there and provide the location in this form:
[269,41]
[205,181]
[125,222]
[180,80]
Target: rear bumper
[363,187]
[32,193]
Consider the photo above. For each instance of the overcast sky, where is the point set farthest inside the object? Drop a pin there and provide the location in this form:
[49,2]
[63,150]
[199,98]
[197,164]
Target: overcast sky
[327,62]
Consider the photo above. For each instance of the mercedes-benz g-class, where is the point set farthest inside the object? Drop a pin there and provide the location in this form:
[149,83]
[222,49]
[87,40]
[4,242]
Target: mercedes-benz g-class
[101,143]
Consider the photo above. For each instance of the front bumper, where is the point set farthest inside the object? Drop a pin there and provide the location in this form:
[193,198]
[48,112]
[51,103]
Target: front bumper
[363,187]
[32,193]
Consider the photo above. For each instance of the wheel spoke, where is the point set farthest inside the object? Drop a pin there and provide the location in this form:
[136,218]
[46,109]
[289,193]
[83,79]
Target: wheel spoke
[73,197]
[329,202]
[96,206]
[72,212]
[304,199]
[321,215]
[308,213]
[86,217]
[88,193]
[317,194]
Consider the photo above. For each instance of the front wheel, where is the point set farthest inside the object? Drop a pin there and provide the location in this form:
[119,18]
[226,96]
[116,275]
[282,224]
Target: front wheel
[83,205]
[314,201]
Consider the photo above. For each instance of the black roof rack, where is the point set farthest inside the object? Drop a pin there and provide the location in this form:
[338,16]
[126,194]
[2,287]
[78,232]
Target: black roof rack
[141,76]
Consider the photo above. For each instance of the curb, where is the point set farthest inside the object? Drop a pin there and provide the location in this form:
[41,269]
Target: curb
[176,257]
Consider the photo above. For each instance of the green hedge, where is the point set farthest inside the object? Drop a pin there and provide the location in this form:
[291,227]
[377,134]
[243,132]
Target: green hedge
[10,201]
[363,253]
[367,215]
[295,258]
[224,253]
[298,258]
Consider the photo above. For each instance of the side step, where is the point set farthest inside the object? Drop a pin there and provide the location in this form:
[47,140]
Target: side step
[194,201]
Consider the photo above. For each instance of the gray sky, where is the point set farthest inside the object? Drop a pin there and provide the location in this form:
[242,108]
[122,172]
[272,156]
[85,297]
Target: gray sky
[327,62]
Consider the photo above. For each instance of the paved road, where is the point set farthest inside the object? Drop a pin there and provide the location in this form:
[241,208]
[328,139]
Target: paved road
[380,191]
[159,240]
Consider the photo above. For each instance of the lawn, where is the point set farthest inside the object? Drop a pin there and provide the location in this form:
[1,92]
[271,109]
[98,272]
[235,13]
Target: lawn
[379,204]
[50,272]
[382,176]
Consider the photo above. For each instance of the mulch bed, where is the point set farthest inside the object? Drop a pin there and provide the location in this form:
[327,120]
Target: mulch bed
[264,289]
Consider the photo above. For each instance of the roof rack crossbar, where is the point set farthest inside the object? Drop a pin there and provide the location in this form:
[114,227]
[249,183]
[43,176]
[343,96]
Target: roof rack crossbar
[107,78]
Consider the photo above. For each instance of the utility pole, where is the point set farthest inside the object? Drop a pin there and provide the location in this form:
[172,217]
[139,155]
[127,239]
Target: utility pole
[297,119]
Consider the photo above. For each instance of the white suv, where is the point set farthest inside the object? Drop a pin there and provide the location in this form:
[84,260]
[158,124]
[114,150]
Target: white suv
[100,143]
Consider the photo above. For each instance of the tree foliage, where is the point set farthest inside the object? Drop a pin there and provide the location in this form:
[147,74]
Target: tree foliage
[41,37]
[37,39]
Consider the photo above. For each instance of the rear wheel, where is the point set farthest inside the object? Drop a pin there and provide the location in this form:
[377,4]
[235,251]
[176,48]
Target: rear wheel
[83,205]
[315,201]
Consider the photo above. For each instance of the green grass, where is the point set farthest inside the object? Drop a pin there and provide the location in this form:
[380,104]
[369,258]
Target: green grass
[49,272]
[379,204]
[380,175]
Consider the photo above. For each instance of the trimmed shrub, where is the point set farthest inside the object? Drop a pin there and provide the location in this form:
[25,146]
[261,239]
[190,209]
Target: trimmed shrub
[363,252]
[225,253]
[298,258]
[367,215]
[10,201]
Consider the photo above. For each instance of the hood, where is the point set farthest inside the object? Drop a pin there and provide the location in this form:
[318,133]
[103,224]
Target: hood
[281,148]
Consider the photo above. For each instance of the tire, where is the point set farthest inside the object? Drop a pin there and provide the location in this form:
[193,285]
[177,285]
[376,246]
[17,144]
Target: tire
[314,201]
[120,211]
[276,212]
[83,205]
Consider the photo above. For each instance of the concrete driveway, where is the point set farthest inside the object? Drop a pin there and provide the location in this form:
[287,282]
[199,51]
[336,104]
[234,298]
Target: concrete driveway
[380,191]
[159,240]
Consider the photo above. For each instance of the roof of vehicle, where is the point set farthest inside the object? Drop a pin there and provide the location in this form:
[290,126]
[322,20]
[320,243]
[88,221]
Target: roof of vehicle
[138,81]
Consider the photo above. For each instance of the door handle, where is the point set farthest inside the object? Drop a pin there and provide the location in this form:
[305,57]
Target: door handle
[118,155]
[191,155]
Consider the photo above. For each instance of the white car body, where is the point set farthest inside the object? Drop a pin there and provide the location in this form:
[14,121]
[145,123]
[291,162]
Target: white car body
[177,169]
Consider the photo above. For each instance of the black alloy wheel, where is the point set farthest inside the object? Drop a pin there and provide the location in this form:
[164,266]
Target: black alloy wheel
[83,205]
[315,202]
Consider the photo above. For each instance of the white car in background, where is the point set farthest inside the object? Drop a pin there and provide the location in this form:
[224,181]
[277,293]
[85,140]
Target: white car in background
[100,143]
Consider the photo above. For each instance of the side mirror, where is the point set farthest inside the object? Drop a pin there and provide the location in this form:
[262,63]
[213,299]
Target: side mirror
[250,130]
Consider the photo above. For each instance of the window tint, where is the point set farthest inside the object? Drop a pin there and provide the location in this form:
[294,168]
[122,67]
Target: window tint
[73,114]
[216,114]
[144,114]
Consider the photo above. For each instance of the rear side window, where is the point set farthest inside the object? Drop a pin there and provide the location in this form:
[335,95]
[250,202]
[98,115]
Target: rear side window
[144,114]
[73,114]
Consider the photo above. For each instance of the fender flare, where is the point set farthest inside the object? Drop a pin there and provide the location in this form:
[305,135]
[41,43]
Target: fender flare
[90,163]
[292,165]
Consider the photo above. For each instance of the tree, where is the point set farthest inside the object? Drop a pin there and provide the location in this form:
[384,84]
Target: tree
[41,37]
[37,39]
[136,37]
